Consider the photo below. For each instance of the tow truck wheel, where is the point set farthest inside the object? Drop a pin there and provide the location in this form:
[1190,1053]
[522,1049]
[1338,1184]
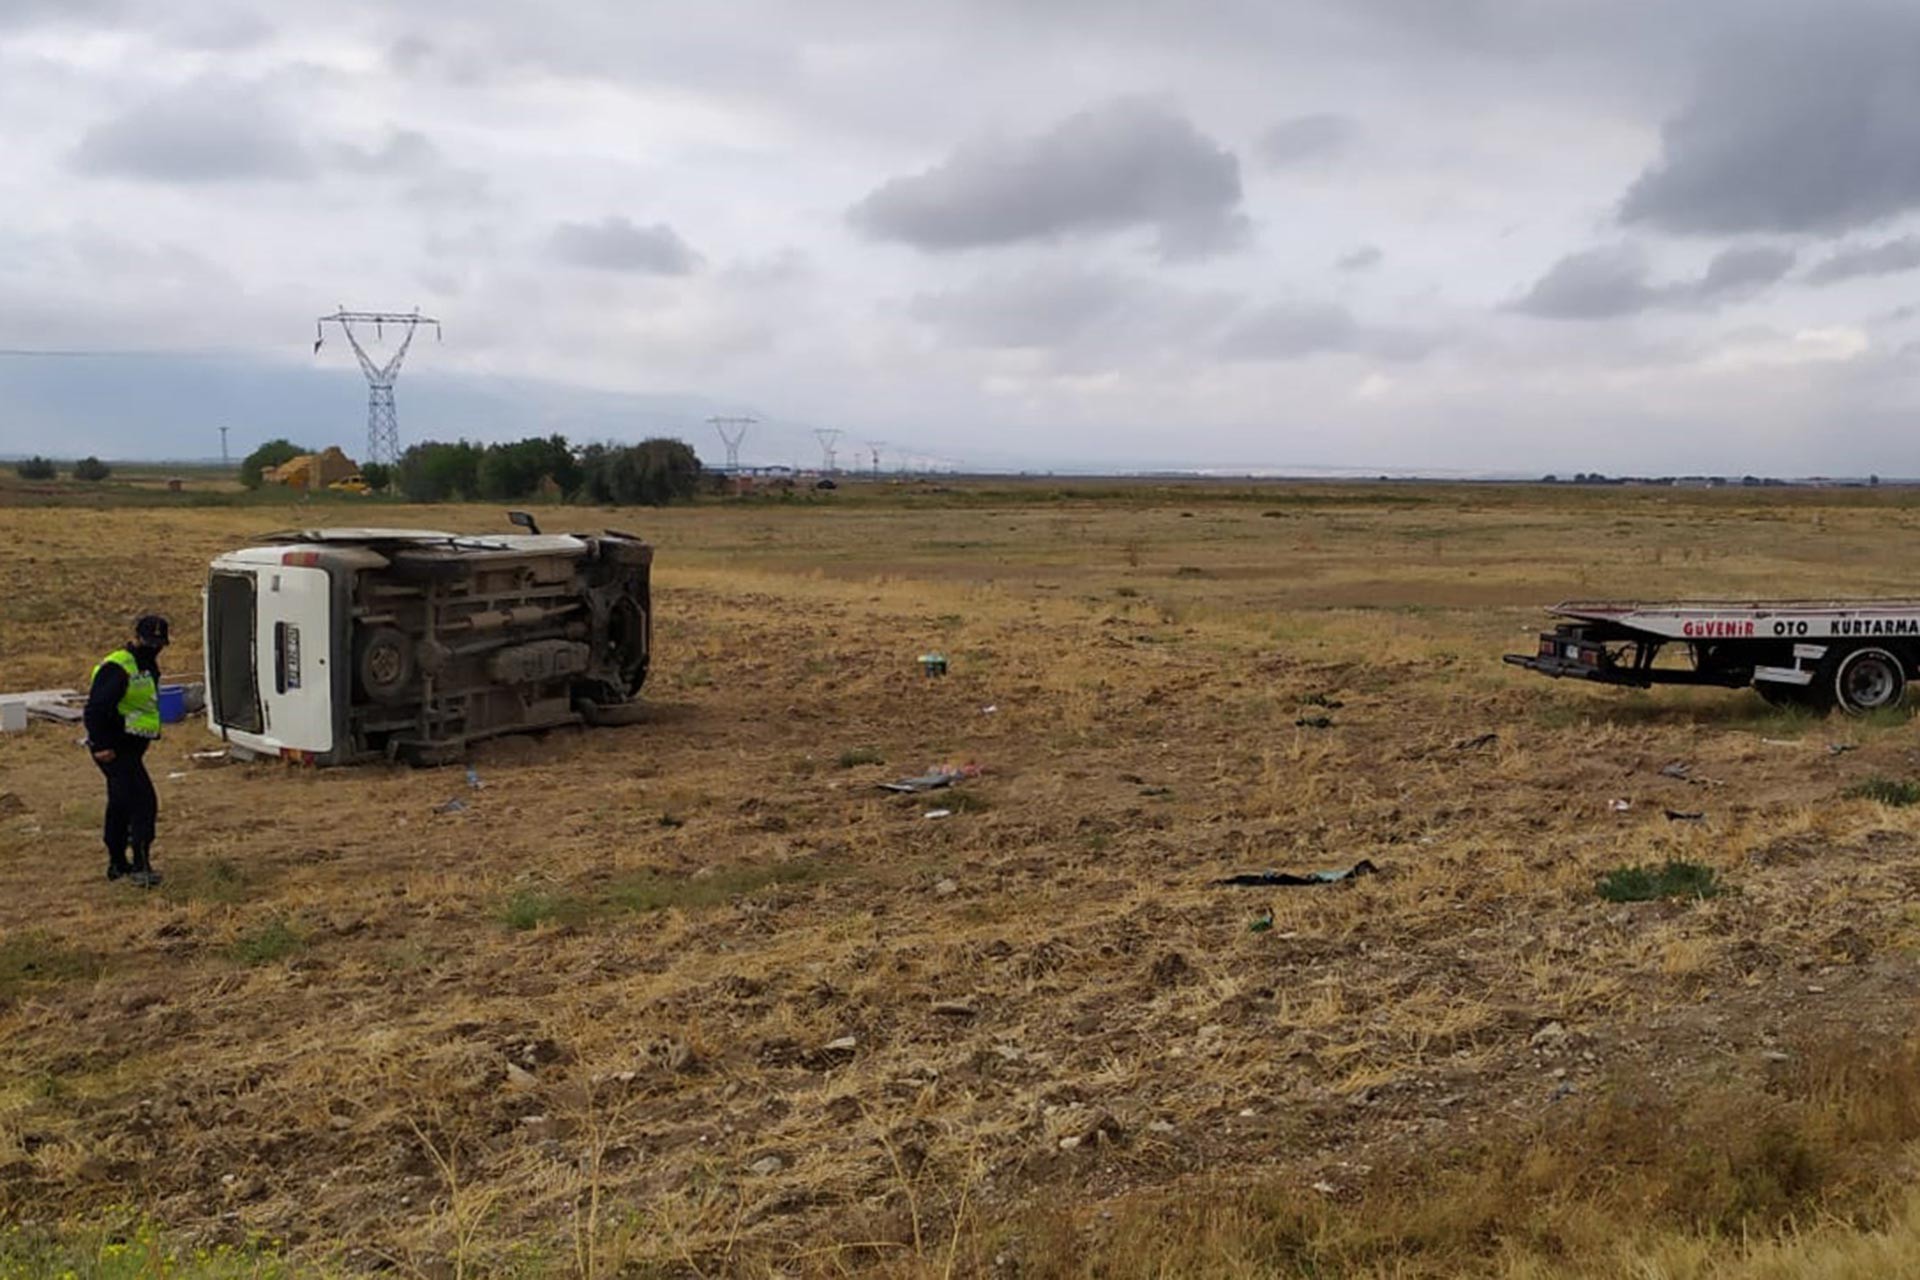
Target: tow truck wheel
[1868,680]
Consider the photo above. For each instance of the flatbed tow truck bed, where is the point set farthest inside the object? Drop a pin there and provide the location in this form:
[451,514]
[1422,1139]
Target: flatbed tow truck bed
[1818,654]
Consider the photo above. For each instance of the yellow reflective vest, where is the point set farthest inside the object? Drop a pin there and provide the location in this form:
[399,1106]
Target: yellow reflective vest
[140,704]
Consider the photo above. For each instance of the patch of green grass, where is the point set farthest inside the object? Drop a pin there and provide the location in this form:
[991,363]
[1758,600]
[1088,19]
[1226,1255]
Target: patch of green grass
[134,1250]
[36,959]
[221,880]
[654,892]
[275,940]
[861,755]
[531,908]
[1888,791]
[1677,879]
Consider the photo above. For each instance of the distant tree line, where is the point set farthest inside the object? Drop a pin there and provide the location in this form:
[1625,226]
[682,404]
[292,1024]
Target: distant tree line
[38,468]
[651,473]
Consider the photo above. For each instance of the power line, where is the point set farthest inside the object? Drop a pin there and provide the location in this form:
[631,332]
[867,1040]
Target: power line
[827,436]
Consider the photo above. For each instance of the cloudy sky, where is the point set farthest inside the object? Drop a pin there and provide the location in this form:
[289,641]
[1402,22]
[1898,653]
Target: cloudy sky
[1478,235]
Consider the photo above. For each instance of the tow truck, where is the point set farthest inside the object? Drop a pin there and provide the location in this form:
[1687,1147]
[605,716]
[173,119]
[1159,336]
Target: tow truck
[1857,655]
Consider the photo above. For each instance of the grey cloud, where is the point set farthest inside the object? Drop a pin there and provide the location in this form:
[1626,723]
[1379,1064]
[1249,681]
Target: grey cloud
[1885,259]
[1088,317]
[208,131]
[1736,272]
[417,163]
[616,244]
[1596,284]
[1129,163]
[1306,138]
[1365,258]
[1590,285]
[1815,127]
[1295,330]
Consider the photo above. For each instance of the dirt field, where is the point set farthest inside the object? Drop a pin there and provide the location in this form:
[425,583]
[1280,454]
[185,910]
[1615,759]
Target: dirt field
[695,997]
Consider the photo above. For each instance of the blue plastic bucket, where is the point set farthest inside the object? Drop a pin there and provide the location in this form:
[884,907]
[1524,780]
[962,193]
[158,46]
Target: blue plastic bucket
[173,703]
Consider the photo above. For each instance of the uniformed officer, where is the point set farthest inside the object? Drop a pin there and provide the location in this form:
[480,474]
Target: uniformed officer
[123,720]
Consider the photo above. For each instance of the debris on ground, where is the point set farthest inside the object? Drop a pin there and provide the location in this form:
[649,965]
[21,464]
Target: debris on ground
[1475,743]
[64,705]
[1314,722]
[473,779]
[1841,748]
[1619,806]
[933,664]
[1322,700]
[1262,922]
[1678,769]
[1677,815]
[1360,868]
[217,755]
[938,813]
[456,805]
[937,776]
[946,888]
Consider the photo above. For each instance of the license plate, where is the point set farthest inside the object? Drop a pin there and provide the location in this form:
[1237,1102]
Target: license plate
[290,657]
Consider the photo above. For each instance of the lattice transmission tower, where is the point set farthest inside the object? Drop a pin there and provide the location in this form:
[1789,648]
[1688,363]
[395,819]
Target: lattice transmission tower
[383,427]
[827,436]
[732,432]
[874,447]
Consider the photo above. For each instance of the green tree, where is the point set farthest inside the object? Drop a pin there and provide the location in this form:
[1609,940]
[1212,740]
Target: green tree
[271,454]
[432,471]
[651,473]
[91,468]
[378,476]
[518,470]
[37,468]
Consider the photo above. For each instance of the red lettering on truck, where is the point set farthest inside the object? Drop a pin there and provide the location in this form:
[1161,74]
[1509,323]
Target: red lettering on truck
[1717,629]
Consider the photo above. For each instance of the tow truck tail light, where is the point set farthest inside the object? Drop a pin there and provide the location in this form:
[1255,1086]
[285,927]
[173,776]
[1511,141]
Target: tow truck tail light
[307,559]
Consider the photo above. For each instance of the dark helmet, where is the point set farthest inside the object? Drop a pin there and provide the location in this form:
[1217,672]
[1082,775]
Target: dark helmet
[150,629]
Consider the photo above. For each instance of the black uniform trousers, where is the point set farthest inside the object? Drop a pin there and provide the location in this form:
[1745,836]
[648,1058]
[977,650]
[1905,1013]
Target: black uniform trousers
[132,806]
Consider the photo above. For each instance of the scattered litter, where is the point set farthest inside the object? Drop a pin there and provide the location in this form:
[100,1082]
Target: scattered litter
[452,806]
[175,774]
[1678,769]
[938,813]
[954,1008]
[1841,748]
[1619,806]
[937,776]
[1676,815]
[1474,744]
[1262,922]
[1314,722]
[946,888]
[1322,700]
[1326,1188]
[1156,791]
[518,1077]
[1360,868]
[989,709]
[1780,742]
[933,664]
[46,704]
[473,779]
[767,1165]
[216,756]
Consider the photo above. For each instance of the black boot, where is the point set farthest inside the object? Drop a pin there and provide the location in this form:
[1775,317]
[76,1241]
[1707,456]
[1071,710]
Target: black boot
[143,873]
[117,864]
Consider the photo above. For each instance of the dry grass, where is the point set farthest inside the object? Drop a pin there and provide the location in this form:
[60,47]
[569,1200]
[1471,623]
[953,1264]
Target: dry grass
[695,998]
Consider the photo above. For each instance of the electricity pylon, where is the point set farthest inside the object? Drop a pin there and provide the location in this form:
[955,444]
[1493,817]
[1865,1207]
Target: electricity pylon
[732,432]
[383,427]
[826,436]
